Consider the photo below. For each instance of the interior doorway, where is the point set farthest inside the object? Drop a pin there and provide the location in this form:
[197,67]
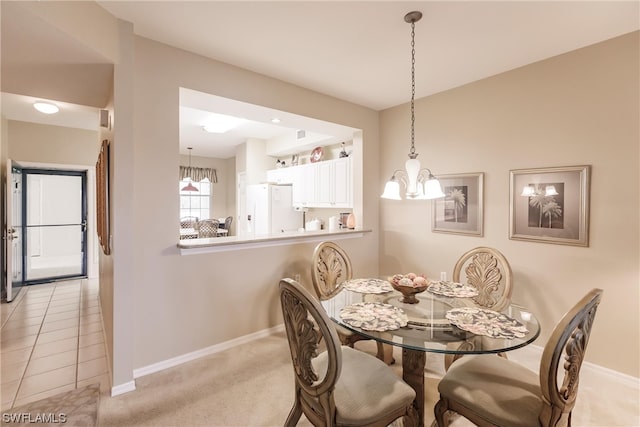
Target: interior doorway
[54,225]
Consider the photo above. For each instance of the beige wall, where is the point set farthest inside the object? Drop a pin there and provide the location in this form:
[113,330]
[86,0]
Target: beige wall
[574,109]
[31,142]
[186,303]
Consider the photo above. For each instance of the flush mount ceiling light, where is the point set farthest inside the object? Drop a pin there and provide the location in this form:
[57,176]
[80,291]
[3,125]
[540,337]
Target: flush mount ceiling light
[419,183]
[46,107]
[189,186]
[220,123]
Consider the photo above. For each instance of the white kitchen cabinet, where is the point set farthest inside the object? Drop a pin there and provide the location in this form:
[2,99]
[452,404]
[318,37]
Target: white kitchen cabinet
[325,184]
[302,179]
[280,176]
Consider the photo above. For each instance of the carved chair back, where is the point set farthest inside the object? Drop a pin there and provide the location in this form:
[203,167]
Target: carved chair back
[306,324]
[330,268]
[487,270]
[208,228]
[568,341]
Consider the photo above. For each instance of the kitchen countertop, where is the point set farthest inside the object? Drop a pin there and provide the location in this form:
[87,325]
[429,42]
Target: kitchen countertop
[230,243]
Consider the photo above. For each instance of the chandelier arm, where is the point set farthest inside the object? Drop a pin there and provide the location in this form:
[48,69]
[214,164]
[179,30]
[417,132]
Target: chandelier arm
[402,176]
[424,175]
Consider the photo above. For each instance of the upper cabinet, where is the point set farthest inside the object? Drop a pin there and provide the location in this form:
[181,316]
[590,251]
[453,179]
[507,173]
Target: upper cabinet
[280,176]
[327,184]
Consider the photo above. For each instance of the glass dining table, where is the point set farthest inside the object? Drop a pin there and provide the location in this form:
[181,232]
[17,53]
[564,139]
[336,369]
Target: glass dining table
[453,326]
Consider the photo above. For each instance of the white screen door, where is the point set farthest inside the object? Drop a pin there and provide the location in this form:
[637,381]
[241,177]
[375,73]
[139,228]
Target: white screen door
[55,218]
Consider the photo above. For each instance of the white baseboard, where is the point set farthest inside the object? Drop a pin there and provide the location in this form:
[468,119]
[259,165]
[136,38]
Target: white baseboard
[175,361]
[532,350]
[591,368]
[123,388]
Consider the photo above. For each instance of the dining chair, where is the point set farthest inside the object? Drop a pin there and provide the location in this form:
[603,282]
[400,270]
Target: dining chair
[489,272]
[493,391]
[330,268]
[208,228]
[188,222]
[188,227]
[227,223]
[339,386]
[225,226]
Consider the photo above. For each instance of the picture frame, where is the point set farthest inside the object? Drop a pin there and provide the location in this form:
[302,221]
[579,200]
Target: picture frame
[550,205]
[461,210]
[102,197]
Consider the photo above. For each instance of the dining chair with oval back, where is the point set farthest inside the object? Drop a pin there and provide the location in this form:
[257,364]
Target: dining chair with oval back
[330,268]
[339,386]
[499,392]
[488,271]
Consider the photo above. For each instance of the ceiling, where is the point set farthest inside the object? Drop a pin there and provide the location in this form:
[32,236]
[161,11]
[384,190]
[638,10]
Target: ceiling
[358,51]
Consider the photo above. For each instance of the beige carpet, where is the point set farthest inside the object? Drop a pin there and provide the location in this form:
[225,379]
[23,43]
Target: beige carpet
[77,408]
[252,385]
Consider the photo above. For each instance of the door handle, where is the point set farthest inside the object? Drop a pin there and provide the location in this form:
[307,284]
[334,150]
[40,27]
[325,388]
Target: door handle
[11,234]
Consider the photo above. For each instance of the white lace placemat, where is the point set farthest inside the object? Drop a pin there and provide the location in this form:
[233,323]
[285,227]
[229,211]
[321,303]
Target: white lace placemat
[368,286]
[481,321]
[452,289]
[374,316]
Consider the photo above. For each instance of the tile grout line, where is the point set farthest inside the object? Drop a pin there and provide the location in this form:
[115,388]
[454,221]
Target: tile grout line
[78,340]
[33,347]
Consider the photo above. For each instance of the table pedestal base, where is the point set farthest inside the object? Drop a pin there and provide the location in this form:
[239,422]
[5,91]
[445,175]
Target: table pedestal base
[413,362]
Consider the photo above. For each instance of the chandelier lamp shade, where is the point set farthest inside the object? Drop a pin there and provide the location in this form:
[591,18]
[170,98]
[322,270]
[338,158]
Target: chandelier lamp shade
[189,186]
[419,182]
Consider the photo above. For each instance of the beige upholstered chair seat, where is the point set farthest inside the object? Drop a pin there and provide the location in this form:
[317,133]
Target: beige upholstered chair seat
[340,386]
[385,391]
[499,391]
[494,391]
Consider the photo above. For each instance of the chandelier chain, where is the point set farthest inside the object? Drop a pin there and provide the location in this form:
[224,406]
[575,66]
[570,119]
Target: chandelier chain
[412,152]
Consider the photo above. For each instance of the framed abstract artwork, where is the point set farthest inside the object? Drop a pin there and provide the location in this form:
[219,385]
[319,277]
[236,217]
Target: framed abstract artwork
[460,211]
[550,205]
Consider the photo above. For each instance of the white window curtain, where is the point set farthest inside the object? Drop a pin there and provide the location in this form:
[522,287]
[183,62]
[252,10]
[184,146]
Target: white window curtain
[198,174]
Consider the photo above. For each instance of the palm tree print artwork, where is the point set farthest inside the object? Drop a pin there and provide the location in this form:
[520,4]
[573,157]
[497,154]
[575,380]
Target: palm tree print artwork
[456,203]
[547,211]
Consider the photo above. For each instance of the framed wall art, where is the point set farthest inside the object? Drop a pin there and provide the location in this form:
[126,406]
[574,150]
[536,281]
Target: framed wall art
[102,197]
[460,211]
[550,205]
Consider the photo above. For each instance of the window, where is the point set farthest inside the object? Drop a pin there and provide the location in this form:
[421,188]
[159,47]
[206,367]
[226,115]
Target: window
[195,203]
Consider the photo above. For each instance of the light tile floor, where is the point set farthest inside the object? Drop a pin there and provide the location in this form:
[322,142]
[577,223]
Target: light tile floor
[51,341]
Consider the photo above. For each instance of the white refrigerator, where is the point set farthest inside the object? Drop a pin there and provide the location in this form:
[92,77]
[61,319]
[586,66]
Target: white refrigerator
[270,210]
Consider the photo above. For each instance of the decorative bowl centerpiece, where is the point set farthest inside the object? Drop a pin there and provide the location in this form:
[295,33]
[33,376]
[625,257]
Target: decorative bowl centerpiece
[409,285]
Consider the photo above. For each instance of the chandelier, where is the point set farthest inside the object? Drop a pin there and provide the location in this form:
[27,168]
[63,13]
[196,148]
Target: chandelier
[419,182]
[189,186]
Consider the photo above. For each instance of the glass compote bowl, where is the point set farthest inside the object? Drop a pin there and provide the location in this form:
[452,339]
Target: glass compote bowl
[409,285]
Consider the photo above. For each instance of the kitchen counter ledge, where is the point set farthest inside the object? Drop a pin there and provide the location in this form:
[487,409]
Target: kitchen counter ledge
[234,243]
